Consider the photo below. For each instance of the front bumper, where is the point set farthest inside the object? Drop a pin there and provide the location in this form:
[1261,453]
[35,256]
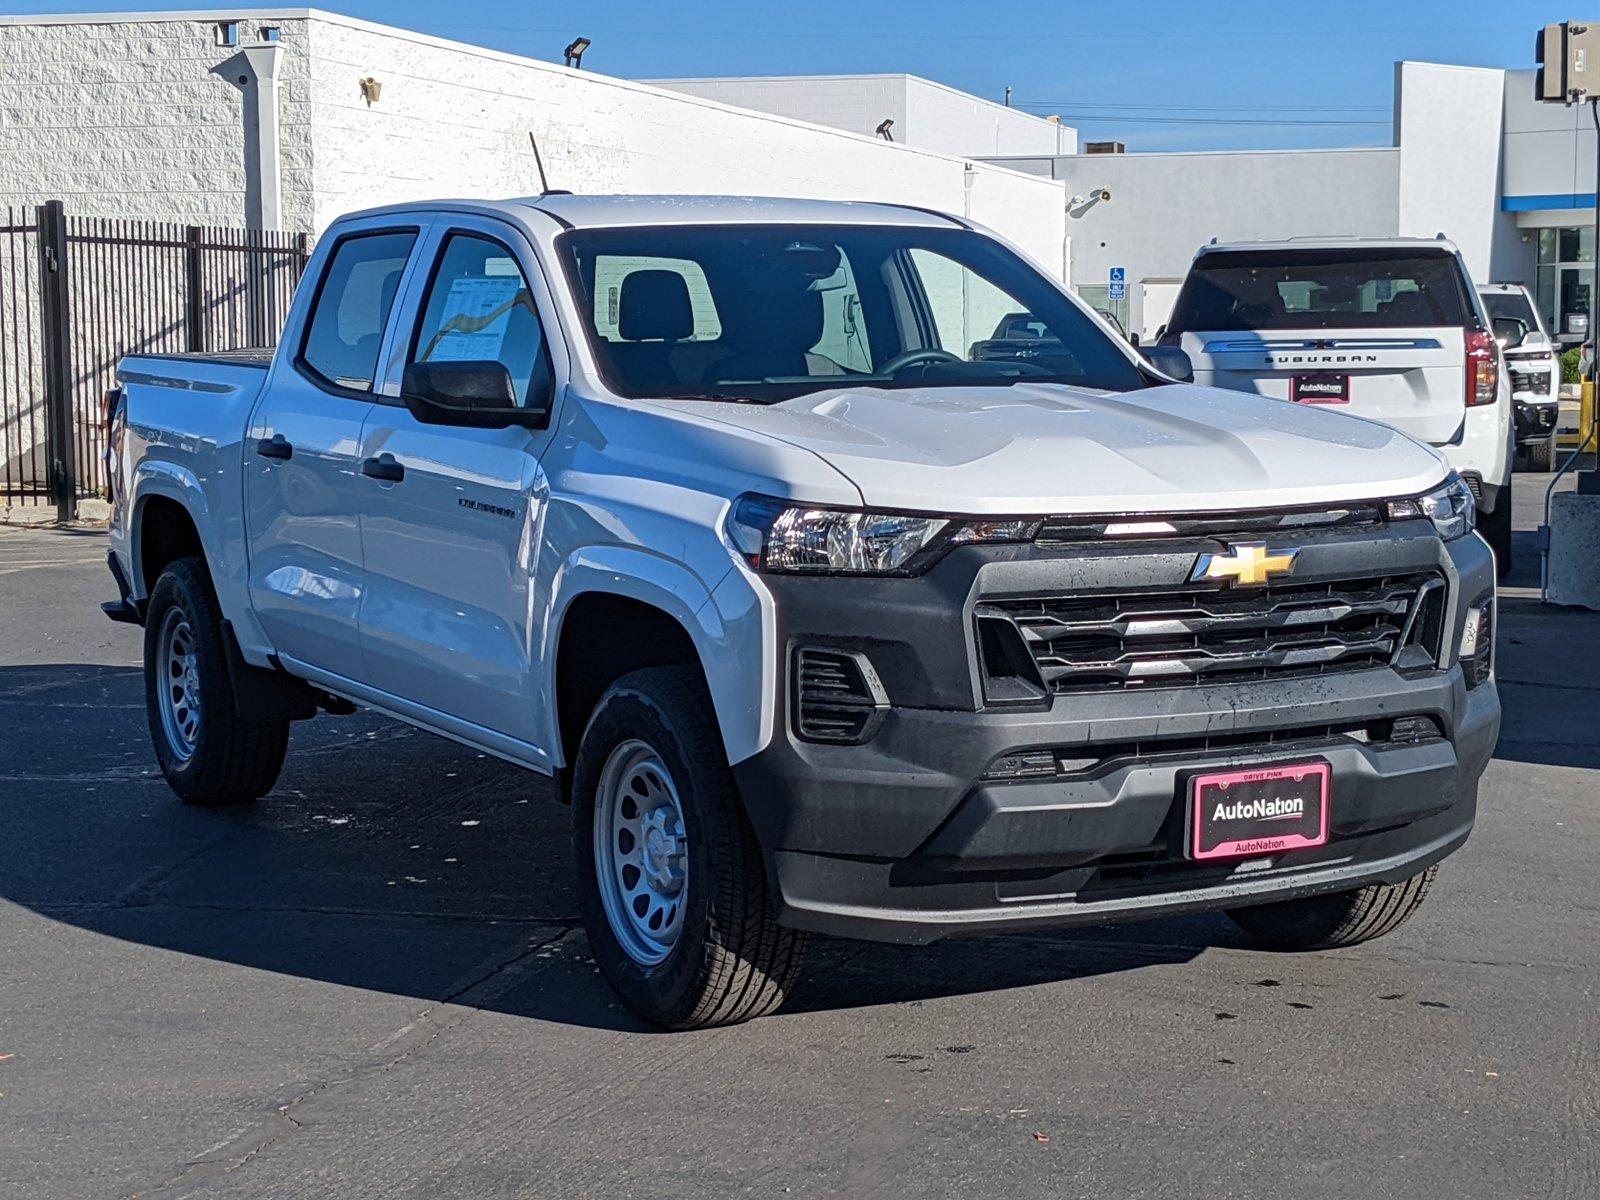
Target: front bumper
[905,839]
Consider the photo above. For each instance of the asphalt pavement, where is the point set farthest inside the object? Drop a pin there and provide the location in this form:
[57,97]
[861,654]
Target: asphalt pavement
[372,984]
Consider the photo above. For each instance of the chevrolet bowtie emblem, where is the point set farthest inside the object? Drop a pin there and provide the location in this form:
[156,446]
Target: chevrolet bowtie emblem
[1248,563]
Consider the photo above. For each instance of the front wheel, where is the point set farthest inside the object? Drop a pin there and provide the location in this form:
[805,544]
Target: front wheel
[209,755]
[1340,919]
[671,881]
[1541,455]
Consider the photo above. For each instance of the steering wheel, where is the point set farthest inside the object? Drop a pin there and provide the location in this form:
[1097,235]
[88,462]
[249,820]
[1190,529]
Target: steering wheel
[910,357]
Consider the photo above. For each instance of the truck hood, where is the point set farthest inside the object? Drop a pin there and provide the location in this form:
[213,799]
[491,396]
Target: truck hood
[1045,448]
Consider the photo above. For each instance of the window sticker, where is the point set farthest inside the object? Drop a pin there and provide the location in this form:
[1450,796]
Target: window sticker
[473,323]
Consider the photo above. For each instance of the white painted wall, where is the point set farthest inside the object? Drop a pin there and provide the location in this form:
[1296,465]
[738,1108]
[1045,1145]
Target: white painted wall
[1549,148]
[926,115]
[455,119]
[142,116]
[1448,127]
[1163,207]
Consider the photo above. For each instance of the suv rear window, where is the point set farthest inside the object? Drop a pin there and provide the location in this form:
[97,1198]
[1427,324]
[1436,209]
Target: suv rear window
[1236,291]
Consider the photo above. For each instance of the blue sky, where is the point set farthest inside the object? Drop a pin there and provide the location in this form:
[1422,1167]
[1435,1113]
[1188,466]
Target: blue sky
[1178,75]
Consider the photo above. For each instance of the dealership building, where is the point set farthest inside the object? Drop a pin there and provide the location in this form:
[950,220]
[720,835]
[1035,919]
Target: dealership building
[284,118]
[1473,156]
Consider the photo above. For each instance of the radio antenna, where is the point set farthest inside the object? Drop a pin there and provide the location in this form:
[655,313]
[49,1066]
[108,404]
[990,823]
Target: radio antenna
[544,184]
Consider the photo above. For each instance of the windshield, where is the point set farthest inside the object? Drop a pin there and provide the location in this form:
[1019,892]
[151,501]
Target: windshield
[1513,306]
[767,312]
[1358,288]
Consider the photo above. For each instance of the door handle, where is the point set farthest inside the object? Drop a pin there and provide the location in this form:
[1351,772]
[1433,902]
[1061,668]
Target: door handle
[383,467]
[277,446]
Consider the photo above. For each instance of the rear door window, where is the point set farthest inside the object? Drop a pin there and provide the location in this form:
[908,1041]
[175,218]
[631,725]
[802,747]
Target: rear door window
[351,312]
[1239,291]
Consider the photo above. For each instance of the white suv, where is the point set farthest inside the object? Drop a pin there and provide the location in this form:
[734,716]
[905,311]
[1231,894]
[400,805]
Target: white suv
[1390,329]
[1533,361]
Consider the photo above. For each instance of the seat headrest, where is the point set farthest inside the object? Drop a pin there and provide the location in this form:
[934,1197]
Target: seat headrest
[654,307]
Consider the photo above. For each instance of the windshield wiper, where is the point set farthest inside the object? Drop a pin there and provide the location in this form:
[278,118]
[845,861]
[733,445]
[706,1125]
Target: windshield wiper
[728,397]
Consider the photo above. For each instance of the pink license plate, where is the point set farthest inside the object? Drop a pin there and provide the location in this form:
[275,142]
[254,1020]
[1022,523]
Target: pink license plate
[1264,810]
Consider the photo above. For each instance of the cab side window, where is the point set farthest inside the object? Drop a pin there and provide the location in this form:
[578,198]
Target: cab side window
[479,309]
[351,311]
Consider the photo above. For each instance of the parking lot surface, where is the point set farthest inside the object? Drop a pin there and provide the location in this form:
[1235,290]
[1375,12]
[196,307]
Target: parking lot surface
[372,984]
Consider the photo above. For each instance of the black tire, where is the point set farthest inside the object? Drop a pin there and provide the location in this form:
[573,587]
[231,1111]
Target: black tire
[1496,529]
[233,761]
[732,960]
[1340,919]
[1541,455]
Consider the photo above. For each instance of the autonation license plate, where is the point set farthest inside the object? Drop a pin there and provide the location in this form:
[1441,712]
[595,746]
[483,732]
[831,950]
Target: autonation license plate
[1320,389]
[1264,810]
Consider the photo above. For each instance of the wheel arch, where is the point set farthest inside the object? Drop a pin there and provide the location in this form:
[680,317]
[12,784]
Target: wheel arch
[602,636]
[164,530]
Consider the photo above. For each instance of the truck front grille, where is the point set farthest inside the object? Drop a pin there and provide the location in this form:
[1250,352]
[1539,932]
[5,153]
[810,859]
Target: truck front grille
[1192,636]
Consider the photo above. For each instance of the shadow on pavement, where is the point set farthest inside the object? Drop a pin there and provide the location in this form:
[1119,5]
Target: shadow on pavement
[390,860]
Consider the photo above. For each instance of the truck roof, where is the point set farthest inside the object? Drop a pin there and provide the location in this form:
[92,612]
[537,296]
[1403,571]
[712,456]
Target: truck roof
[609,212]
[1334,243]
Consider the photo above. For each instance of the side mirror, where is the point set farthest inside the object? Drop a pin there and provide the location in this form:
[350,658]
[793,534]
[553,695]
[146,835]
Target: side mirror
[1169,360]
[474,394]
[1509,331]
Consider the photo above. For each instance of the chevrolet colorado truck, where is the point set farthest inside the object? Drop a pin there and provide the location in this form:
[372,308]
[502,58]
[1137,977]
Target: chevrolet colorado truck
[833,596]
[1385,328]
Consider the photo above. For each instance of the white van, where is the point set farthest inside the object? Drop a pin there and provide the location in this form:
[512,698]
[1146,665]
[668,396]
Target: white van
[1389,329]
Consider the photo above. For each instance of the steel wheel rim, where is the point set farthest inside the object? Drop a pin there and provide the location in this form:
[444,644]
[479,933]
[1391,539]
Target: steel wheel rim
[641,852]
[178,684]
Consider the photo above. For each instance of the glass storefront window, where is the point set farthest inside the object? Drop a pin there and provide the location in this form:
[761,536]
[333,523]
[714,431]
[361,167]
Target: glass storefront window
[1565,277]
[1576,244]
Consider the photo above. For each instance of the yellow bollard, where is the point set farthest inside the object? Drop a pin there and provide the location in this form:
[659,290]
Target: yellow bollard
[1570,437]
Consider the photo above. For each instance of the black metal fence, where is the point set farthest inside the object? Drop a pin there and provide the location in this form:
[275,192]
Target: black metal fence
[77,293]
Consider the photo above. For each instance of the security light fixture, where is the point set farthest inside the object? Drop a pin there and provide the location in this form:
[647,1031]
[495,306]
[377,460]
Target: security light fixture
[371,90]
[885,128]
[574,52]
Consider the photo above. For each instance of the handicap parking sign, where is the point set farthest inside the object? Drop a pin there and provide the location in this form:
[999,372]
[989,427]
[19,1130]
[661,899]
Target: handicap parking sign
[1119,283]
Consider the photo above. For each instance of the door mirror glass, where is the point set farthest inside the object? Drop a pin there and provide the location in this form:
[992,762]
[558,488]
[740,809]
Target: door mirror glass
[1169,360]
[473,393]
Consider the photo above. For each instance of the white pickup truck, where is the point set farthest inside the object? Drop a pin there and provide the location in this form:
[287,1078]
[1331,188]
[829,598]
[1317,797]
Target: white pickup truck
[845,572]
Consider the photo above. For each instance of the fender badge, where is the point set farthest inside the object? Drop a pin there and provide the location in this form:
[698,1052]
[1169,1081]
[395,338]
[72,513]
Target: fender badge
[1247,563]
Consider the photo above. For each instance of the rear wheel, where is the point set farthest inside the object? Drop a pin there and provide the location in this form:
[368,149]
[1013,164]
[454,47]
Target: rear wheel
[208,754]
[671,879]
[1541,455]
[1341,919]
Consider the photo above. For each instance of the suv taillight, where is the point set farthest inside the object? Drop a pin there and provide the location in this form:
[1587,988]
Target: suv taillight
[1483,368]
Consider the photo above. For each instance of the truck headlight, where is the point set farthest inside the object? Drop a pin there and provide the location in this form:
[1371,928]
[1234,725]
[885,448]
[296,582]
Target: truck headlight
[802,539]
[1449,506]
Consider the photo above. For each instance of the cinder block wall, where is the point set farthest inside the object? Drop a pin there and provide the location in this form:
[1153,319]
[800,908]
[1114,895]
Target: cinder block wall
[140,119]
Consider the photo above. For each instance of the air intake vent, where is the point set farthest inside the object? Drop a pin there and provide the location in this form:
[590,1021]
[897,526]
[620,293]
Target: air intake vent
[837,696]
